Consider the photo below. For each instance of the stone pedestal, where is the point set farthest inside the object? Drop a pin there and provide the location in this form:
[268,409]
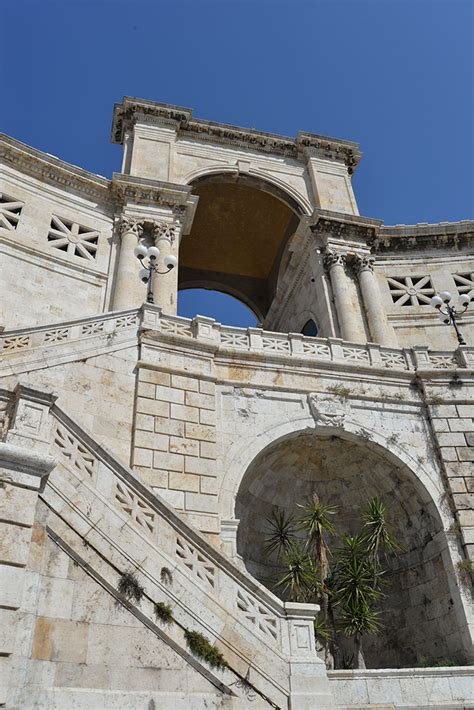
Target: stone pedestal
[309,684]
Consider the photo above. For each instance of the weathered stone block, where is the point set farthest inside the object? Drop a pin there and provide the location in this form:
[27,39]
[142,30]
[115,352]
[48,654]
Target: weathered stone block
[181,445]
[457,485]
[168,394]
[466,410]
[151,440]
[183,481]
[203,467]
[449,453]
[173,427]
[461,424]
[17,504]
[200,431]
[466,453]
[14,544]
[60,640]
[203,401]
[185,383]
[465,500]
[172,462]
[150,406]
[185,413]
[200,503]
[207,450]
[155,377]
[451,439]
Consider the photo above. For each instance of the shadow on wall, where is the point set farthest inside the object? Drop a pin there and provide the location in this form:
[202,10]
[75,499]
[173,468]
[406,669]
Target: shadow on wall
[420,626]
[214,304]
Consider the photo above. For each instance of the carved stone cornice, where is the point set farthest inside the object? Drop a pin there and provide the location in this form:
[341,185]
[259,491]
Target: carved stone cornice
[423,237]
[131,110]
[352,232]
[53,171]
[127,188]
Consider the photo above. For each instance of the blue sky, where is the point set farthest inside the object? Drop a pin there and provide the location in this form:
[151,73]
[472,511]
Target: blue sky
[395,75]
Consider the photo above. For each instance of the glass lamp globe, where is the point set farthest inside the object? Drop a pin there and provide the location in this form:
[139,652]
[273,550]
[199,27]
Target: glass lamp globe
[143,275]
[445,296]
[436,302]
[153,252]
[140,251]
[465,299]
[170,261]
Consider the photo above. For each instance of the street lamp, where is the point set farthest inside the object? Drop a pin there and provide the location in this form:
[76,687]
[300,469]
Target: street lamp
[442,303]
[146,272]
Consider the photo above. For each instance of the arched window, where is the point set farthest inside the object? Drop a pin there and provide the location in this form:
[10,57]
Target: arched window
[310,328]
[224,308]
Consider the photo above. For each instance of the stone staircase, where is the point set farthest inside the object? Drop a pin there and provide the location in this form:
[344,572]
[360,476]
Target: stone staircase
[109,523]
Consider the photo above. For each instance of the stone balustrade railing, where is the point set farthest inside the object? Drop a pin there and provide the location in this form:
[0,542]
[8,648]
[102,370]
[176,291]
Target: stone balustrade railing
[294,345]
[250,340]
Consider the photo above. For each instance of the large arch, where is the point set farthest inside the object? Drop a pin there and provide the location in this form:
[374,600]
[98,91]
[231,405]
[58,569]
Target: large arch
[242,225]
[423,623]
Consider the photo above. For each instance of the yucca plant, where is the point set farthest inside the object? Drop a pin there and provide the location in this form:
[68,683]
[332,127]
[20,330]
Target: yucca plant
[282,533]
[300,577]
[315,520]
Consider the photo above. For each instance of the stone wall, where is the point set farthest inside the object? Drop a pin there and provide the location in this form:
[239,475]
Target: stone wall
[175,442]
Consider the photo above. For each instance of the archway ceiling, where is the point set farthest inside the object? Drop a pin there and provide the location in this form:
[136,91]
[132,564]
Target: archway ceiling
[238,230]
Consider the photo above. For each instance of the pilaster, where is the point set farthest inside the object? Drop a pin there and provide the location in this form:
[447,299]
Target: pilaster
[24,468]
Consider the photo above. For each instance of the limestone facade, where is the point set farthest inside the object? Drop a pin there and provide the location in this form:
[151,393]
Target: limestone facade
[137,441]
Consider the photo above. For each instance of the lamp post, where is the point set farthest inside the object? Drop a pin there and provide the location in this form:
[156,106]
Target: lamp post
[146,272]
[442,303]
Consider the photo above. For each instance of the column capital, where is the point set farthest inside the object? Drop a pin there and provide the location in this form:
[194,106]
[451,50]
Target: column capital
[362,262]
[167,231]
[130,225]
[333,258]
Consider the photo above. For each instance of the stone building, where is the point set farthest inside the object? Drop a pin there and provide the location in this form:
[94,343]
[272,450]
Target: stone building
[137,441]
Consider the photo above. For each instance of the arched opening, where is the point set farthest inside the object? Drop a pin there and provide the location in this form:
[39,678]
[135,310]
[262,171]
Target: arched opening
[223,307]
[420,625]
[310,328]
[239,233]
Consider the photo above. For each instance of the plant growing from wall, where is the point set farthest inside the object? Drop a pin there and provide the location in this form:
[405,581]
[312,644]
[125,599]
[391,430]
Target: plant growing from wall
[347,584]
[130,587]
[202,648]
[163,612]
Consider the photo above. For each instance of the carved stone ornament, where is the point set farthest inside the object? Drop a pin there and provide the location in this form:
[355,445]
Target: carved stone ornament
[328,411]
[130,224]
[362,263]
[333,258]
[166,230]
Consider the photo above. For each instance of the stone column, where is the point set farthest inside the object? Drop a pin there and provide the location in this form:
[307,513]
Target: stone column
[380,329]
[165,285]
[129,291]
[335,264]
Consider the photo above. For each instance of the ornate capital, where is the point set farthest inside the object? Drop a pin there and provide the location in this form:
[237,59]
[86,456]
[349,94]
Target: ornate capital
[168,231]
[362,263]
[334,258]
[130,225]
